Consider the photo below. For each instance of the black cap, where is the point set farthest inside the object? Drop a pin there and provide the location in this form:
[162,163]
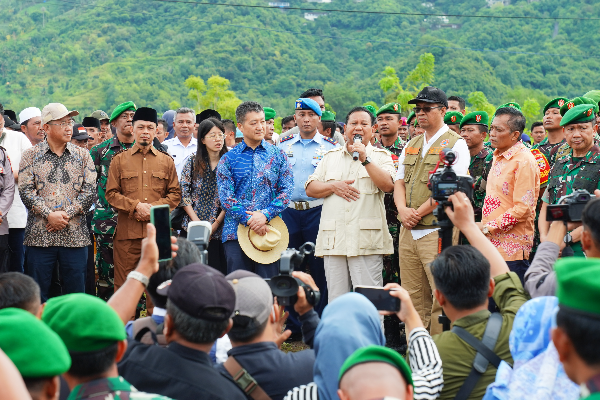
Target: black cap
[91,122]
[431,94]
[206,114]
[9,123]
[79,132]
[145,114]
[11,114]
[201,292]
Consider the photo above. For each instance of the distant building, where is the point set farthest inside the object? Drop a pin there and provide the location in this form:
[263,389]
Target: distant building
[279,4]
[311,16]
[319,1]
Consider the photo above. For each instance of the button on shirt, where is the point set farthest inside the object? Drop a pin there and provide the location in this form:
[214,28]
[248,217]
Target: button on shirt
[179,152]
[304,155]
[249,179]
[461,166]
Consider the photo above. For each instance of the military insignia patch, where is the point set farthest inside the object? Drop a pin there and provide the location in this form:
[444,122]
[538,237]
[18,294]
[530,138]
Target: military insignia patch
[298,105]
[543,165]
[412,151]
[453,118]
[561,102]
[395,107]
[570,105]
[478,118]
[445,142]
[589,112]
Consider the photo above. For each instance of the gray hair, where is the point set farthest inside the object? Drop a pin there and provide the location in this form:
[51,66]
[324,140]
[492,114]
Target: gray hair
[245,108]
[184,110]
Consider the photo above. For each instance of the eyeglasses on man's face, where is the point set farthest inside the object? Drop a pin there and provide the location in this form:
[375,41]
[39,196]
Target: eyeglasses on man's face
[426,110]
[64,124]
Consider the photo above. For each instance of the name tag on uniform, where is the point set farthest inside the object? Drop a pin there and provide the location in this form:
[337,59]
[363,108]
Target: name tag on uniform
[412,150]
[435,150]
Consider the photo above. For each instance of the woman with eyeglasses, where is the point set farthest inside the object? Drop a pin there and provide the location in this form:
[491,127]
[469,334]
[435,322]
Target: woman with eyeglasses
[199,196]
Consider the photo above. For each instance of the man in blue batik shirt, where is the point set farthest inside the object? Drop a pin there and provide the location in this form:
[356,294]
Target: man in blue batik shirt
[255,183]
[304,151]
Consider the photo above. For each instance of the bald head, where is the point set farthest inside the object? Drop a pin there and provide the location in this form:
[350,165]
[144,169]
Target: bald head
[374,380]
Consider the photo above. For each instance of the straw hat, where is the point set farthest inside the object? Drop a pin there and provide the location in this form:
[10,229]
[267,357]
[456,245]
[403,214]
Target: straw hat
[264,249]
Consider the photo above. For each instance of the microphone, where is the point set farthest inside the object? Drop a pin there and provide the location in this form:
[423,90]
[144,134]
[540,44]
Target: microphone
[357,139]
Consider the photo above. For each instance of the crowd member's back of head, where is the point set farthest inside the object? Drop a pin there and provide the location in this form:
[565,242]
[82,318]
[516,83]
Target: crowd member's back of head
[20,291]
[590,237]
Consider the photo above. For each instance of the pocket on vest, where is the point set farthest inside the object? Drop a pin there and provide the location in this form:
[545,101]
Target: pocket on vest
[328,233]
[365,183]
[371,233]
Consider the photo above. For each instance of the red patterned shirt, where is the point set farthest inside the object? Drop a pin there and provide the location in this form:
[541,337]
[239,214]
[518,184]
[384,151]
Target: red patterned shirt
[509,206]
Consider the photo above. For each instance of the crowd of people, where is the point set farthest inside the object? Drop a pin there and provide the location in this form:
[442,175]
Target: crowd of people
[508,310]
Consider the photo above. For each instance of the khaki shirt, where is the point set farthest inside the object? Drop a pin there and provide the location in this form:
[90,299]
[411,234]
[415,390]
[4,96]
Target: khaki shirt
[354,228]
[138,175]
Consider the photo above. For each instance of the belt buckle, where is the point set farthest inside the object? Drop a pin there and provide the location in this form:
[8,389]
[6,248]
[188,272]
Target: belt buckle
[301,205]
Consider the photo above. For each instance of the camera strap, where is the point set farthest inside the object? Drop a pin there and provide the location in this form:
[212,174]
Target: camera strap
[485,353]
[244,380]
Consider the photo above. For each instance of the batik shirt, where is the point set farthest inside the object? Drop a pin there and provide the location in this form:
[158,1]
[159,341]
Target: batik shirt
[105,217]
[110,389]
[249,179]
[479,168]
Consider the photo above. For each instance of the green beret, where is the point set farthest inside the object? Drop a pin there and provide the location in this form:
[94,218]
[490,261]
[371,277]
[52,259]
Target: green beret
[85,323]
[121,108]
[375,353]
[578,283]
[453,118]
[577,101]
[475,118]
[389,108]
[410,116]
[511,104]
[269,113]
[328,116]
[31,345]
[594,95]
[371,109]
[555,103]
[580,113]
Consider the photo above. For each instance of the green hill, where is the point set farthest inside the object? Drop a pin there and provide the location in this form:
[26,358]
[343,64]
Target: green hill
[94,54]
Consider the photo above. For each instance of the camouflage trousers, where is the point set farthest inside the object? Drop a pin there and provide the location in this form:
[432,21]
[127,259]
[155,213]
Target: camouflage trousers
[105,269]
[391,262]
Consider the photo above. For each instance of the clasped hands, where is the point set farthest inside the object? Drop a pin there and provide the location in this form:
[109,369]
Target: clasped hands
[57,221]
[142,211]
[258,222]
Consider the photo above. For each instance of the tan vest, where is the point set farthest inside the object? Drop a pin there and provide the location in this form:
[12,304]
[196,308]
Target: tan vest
[417,169]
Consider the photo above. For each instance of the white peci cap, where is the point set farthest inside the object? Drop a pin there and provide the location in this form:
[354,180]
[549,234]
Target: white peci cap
[28,113]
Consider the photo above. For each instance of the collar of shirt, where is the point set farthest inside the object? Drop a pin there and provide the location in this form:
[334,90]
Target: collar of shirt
[115,384]
[45,147]
[176,142]
[136,147]
[318,138]
[115,142]
[159,312]
[262,145]
[508,154]
[252,348]
[483,153]
[189,353]
[435,137]
[472,319]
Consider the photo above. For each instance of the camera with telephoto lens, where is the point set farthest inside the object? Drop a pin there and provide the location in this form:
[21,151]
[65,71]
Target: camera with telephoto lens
[445,183]
[569,207]
[284,285]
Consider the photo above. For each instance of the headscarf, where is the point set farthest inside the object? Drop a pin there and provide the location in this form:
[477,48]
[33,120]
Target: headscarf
[169,116]
[348,323]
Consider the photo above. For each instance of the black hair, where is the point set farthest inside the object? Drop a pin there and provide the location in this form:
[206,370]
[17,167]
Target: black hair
[165,124]
[483,128]
[228,125]
[461,101]
[590,217]
[287,119]
[536,124]
[246,329]
[93,363]
[312,92]
[36,385]
[245,108]
[359,109]
[20,291]
[201,163]
[516,120]
[328,125]
[340,126]
[195,330]
[582,330]
[462,275]
[187,254]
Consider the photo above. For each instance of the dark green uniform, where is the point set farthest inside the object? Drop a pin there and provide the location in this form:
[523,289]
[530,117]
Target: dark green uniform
[570,173]
[479,168]
[110,388]
[104,221]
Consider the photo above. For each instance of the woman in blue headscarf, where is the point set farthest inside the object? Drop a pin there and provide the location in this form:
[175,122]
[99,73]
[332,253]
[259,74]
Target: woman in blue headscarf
[169,116]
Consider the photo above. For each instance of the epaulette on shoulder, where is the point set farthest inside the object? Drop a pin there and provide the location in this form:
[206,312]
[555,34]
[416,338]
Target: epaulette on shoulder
[563,151]
[285,139]
[330,140]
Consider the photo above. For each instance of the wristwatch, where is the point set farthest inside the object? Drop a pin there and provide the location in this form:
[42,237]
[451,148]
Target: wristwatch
[485,230]
[367,161]
[138,276]
[568,239]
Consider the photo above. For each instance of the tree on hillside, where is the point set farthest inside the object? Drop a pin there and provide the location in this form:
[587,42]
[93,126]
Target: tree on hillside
[341,98]
[480,103]
[214,94]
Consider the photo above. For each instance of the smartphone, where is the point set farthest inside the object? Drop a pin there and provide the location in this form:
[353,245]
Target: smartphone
[381,299]
[160,217]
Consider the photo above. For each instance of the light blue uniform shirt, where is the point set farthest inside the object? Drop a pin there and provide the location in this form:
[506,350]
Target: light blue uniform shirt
[304,156]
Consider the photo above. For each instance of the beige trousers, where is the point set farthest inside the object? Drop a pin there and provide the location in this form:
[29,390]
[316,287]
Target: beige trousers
[344,273]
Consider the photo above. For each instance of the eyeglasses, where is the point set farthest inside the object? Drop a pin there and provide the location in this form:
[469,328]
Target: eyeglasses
[64,124]
[426,110]
[214,136]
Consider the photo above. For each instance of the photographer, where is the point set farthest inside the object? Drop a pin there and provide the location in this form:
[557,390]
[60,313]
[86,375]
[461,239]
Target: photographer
[465,277]
[540,279]
[577,166]
[256,337]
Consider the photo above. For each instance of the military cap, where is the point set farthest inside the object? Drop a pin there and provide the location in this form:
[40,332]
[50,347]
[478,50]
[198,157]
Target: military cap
[453,118]
[145,114]
[375,353]
[328,116]
[594,95]
[371,109]
[411,116]
[475,118]
[389,108]
[308,104]
[578,114]
[120,109]
[31,345]
[576,102]
[431,94]
[555,103]
[511,104]
[269,113]
[84,323]
[99,115]
[416,123]
[578,283]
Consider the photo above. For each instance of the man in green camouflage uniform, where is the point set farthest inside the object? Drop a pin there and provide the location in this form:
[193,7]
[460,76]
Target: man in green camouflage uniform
[104,221]
[388,123]
[577,166]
